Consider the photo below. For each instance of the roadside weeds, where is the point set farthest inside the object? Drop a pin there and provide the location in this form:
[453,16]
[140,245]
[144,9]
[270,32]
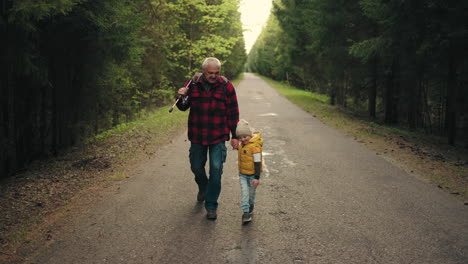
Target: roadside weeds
[428,158]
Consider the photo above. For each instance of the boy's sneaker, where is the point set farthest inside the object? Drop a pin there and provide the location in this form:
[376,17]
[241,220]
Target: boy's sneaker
[246,218]
[211,214]
[251,208]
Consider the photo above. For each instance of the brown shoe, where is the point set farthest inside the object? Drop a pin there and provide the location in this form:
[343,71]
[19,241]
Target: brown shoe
[211,214]
[201,196]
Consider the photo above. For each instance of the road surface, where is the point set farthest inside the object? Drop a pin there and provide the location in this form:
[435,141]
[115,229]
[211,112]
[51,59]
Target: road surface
[323,198]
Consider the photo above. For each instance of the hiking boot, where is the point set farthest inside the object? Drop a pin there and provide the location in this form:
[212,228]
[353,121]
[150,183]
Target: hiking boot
[251,208]
[201,196]
[211,214]
[246,218]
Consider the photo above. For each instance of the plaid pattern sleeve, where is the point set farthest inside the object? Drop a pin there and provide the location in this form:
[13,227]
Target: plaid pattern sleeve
[213,113]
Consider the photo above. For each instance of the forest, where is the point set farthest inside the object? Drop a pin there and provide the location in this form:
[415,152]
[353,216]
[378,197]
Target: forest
[396,62]
[71,69]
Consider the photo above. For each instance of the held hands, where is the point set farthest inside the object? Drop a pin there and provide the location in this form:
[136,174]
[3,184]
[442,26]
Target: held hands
[235,143]
[255,182]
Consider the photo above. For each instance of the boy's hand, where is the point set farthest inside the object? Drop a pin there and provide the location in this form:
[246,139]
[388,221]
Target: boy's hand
[255,182]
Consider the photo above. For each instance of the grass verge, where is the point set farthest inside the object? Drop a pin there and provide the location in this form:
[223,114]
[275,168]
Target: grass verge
[428,158]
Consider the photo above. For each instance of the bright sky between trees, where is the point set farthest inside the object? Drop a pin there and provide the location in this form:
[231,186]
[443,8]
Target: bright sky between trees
[254,14]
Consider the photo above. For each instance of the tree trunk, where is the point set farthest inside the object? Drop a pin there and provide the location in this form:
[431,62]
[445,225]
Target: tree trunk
[450,114]
[3,122]
[388,98]
[344,90]
[332,94]
[427,123]
[54,108]
[391,94]
[12,163]
[6,98]
[4,72]
[372,89]
[414,98]
[5,128]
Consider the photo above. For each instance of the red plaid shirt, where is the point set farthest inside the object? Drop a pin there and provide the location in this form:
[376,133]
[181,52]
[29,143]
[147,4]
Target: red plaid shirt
[213,113]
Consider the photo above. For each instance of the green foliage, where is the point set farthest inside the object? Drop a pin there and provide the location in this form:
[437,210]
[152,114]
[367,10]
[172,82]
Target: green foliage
[207,30]
[28,12]
[82,67]
[367,49]
[405,60]
[270,54]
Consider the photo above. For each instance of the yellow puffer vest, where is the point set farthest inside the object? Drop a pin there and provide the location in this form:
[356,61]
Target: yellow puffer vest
[246,161]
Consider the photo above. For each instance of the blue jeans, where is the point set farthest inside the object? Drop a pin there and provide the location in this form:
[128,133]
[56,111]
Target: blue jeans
[212,185]
[247,191]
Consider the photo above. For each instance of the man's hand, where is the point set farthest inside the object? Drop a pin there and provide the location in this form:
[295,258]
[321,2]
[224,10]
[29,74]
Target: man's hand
[235,143]
[183,91]
[255,182]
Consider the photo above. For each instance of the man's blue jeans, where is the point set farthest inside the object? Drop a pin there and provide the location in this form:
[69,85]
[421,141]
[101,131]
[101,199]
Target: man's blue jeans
[247,191]
[212,185]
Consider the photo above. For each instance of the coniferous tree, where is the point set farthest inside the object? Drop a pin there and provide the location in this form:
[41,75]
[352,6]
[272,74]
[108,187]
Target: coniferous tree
[405,60]
[74,68]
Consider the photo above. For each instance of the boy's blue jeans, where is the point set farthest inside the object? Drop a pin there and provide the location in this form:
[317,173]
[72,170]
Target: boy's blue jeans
[212,185]
[247,191]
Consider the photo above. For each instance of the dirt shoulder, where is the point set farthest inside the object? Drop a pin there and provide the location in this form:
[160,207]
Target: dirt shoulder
[427,158]
[52,189]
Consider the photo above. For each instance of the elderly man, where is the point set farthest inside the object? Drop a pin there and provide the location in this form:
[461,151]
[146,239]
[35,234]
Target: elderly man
[214,114]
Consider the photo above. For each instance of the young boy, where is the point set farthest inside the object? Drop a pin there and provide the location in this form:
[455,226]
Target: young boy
[250,166]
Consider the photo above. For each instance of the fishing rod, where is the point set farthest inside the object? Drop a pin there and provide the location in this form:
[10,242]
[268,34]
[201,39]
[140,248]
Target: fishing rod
[180,96]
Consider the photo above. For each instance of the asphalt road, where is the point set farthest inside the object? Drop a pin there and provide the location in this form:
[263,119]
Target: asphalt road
[323,198]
